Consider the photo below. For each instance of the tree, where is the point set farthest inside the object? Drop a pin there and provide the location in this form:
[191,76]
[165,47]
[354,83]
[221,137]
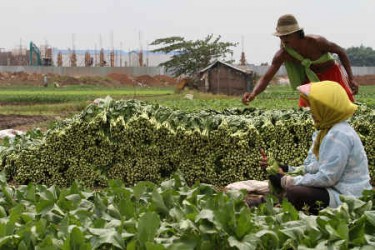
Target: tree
[361,56]
[188,57]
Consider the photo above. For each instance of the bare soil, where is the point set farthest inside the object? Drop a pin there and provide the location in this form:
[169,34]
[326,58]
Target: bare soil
[24,122]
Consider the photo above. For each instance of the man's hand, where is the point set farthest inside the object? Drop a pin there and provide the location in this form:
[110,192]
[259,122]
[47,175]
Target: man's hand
[247,97]
[353,86]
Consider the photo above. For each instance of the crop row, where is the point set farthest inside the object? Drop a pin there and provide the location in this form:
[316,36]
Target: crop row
[134,141]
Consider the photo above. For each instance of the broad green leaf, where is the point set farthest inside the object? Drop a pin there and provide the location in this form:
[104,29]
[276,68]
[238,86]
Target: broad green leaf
[158,202]
[49,243]
[4,240]
[339,233]
[370,240]
[73,197]
[154,246]
[107,237]
[295,233]
[290,213]
[141,187]
[15,213]
[268,238]
[31,192]
[147,227]
[132,245]
[245,224]
[113,212]
[44,206]
[3,213]
[7,192]
[357,232]
[76,241]
[23,246]
[205,214]
[185,244]
[187,225]
[126,208]
[176,214]
[370,216]
[247,243]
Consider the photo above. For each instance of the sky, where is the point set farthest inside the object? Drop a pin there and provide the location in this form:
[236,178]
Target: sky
[134,24]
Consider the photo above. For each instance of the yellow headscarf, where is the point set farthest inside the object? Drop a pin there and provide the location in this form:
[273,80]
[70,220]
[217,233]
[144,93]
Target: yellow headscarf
[329,104]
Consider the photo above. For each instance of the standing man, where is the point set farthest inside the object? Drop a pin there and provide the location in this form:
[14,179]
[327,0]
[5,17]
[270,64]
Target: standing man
[307,58]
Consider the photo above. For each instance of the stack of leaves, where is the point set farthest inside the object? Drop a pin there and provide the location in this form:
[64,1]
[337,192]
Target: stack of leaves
[134,141]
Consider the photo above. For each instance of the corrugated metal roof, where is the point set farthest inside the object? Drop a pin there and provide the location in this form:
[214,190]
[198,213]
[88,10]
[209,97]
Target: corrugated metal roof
[243,70]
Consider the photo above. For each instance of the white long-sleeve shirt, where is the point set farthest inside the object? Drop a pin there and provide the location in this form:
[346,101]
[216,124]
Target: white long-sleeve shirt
[342,167]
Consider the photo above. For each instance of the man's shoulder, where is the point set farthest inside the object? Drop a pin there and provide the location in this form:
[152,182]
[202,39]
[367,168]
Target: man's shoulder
[315,38]
[280,56]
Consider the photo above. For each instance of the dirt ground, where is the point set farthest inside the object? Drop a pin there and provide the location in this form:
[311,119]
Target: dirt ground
[24,122]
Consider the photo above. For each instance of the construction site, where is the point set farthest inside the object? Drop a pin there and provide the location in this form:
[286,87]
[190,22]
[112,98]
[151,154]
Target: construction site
[68,66]
[47,55]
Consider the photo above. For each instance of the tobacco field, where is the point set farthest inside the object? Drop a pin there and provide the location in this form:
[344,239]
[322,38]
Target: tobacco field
[127,174]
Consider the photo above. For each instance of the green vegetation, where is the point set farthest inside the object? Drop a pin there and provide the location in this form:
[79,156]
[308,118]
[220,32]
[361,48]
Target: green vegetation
[32,100]
[181,146]
[361,56]
[188,57]
[172,215]
[135,141]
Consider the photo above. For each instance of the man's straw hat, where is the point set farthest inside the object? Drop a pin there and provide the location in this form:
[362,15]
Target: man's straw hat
[287,24]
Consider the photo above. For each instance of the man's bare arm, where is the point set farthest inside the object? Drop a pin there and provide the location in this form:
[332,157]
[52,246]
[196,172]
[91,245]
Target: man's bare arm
[344,59]
[265,79]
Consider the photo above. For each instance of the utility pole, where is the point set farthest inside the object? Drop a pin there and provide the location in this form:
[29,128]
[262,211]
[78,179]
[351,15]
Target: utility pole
[120,54]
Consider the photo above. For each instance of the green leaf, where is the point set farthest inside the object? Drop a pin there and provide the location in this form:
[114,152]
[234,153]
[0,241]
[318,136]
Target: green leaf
[370,216]
[247,243]
[141,187]
[158,202]
[3,213]
[44,206]
[113,212]
[126,208]
[268,238]
[107,237]
[31,194]
[132,245]
[8,194]
[76,241]
[154,246]
[184,244]
[187,225]
[205,214]
[244,224]
[4,240]
[147,227]
[295,233]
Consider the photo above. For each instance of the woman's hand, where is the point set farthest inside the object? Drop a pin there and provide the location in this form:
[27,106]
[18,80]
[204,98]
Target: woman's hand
[287,181]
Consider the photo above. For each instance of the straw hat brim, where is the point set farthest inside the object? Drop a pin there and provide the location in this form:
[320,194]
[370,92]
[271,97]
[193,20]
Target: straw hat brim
[287,32]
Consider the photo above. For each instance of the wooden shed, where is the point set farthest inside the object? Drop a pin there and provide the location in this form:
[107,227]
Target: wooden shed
[224,78]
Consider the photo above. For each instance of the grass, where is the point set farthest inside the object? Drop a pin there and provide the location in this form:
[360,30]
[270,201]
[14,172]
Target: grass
[36,100]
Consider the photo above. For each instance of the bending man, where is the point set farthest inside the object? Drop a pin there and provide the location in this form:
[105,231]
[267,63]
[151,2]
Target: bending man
[307,58]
